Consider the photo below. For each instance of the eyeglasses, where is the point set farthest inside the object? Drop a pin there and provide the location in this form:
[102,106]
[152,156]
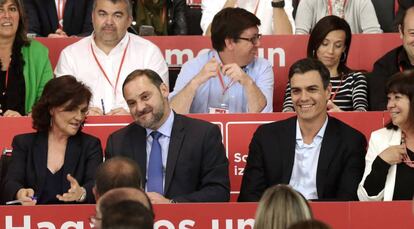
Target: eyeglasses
[253,40]
[94,221]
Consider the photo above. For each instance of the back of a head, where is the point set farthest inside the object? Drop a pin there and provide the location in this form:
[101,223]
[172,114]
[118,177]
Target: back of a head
[122,194]
[117,172]
[230,23]
[310,224]
[281,206]
[127,214]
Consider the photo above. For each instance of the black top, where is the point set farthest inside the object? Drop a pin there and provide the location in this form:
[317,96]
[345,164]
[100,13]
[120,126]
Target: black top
[12,97]
[53,186]
[404,185]
[392,62]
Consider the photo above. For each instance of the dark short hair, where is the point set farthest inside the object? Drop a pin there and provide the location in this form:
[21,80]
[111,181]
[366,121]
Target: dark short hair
[321,30]
[309,64]
[230,23]
[117,172]
[127,2]
[57,92]
[401,19]
[150,74]
[403,83]
[127,214]
[310,224]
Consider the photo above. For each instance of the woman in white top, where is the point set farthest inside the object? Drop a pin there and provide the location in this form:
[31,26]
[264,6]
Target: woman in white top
[389,166]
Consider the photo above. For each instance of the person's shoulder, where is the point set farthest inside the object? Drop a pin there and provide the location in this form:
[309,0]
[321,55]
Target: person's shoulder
[344,129]
[127,130]
[34,44]
[88,137]
[26,138]
[194,123]
[392,54]
[380,133]
[262,62]
[79,46]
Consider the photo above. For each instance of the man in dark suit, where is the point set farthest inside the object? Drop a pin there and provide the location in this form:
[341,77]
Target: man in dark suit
[182,159]
[48,18]
[318,155]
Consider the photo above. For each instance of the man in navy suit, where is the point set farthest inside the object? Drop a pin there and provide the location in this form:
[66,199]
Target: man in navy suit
[193,163]
[318,155]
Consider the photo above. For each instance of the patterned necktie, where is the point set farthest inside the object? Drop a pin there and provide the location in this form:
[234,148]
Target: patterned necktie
[155,170]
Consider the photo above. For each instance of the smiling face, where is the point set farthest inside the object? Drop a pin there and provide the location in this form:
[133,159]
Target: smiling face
[407,34]
[110,22]
[147,104]
[68,121]
[309,96]
[9,19]
[399,108]
[331,49]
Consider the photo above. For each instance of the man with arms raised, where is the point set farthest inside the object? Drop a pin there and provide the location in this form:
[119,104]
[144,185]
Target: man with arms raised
[318,155]
[104,59]
[182,159]
[230,78]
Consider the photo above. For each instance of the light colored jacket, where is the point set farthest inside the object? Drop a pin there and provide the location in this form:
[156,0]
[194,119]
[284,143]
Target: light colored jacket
[379,141]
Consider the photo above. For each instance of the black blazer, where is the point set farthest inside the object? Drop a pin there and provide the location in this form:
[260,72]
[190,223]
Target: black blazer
[272,154]
[28,165]
[197,166]
[43,20]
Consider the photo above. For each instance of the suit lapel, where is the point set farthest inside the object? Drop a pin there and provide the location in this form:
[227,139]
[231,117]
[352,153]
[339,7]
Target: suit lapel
[176,141]
[288,148]
[330,143]
[72,156]
[52,13]
[66,14]
[40,148]
[138,142]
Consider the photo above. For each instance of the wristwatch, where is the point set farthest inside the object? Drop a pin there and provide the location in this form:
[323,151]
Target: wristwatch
[83,196]
[279,4]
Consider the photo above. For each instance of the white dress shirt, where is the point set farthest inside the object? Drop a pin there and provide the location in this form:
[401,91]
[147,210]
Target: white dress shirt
[77,60]
[264,13]
[305,166]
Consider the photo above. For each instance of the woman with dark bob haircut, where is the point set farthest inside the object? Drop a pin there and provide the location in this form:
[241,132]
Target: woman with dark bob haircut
[329,42]
[389,163]
[24,63]
[57,163]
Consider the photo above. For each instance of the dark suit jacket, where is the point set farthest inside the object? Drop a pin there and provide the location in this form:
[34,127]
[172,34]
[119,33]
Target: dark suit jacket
[272,154]
[43,20]
[29,163]
[197,166]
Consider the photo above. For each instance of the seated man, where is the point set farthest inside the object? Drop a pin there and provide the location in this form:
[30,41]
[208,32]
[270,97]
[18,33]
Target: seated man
[318,155]
[116,172]
[229,78]
[104,59]
[182,159]
[396,60]
[276,15]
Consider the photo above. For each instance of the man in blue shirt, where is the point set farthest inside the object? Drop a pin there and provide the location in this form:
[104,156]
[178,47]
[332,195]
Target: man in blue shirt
[230,78]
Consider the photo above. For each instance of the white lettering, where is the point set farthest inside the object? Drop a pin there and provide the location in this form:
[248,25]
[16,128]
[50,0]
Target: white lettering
[183,224]
[281,53]
[71,224]
[179,54]
[241,223]
[163,223]
[46,225]
[26,222]
[238,157]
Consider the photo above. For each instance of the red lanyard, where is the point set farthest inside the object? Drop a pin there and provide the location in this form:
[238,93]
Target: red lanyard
[60,12]
[119,70]
[337,89]
[223,85]
[330,8]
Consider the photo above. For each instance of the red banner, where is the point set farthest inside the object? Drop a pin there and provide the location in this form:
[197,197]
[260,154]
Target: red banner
[339,215]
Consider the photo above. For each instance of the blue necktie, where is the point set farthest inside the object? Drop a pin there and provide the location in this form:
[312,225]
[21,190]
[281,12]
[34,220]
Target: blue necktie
[155,171]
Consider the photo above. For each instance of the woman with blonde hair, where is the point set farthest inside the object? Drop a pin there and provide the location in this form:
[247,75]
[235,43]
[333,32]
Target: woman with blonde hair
[281,206]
